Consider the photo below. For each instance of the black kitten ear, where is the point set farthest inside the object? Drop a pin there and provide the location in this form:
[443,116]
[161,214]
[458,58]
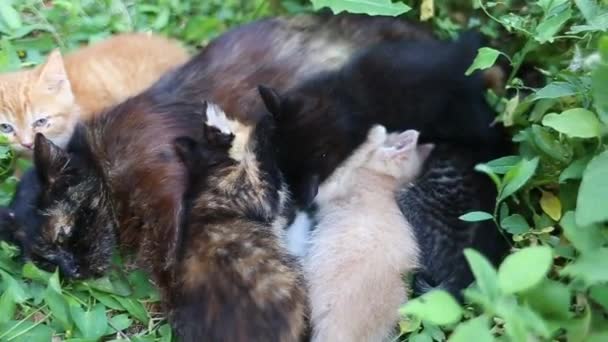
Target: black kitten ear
[216,138]
[272,100]
[185,148]
[49,159]
[308,191]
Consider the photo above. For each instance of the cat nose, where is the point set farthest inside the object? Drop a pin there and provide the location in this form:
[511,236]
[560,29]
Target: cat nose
[28,145]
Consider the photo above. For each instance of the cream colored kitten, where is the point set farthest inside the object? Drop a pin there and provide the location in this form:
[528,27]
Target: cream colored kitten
[363,245]
[52,97]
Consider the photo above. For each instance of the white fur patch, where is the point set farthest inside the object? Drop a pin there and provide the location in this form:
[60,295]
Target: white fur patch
[217,118]
[298,234]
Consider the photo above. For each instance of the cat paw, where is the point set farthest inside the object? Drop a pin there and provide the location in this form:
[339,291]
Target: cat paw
[377,135]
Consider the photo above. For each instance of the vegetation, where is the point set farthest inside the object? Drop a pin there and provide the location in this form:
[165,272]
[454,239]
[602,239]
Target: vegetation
[552,196]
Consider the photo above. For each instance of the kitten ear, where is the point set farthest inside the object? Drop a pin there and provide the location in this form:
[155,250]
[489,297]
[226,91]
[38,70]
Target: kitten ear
[377,135]
[49,159]
[403,144]
[308,190]
[185,148]
[272,100]
[53,78]
[217,138]
[424,150]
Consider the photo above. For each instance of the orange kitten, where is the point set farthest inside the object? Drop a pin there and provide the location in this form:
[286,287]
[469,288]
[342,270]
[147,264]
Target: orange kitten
[52,97]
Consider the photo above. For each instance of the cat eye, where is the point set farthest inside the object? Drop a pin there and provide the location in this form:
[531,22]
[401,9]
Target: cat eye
[6,128]
[40,122]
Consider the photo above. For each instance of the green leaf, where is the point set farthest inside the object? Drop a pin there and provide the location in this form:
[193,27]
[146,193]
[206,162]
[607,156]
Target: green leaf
[26,331]
[134,307]
[593,192]
[524,269]
[437,307]
[476,216]
[93,323]
[575,123]
[589,267]
[142,288]
[119,323]
[107,300]
[517,177]
[117,286]
[547,29]
[555,90]
[515,224]
[485,274]
[599,84]
[551,299]
[371,7]
[504,164]
[574,170]
[31,271]
[58,306]
[599,293]
[9,16]
[165,333]
[477,330]
[16,288]
[584,239]
[8,306]
[486,57]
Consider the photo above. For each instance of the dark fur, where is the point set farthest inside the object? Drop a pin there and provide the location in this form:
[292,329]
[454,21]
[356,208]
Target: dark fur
[402,85]
[120,179]
[234,281]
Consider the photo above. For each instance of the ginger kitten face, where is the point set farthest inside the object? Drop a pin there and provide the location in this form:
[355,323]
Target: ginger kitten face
[38,100]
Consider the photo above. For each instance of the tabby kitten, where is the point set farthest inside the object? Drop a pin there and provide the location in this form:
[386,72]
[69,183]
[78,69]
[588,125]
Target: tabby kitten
[234,280]
[52,97]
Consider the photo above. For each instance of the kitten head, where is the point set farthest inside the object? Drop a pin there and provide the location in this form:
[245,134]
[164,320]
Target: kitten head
[400,156]
[38,100]
[78,226]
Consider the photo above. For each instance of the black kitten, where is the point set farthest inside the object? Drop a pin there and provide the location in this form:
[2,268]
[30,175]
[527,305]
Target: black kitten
[402,85]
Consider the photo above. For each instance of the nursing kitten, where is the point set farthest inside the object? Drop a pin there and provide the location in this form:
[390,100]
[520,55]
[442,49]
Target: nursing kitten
[234,280]
[362,245]
[52,97]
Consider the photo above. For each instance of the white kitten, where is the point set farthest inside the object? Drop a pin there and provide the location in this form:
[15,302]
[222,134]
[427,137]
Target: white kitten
[363,245]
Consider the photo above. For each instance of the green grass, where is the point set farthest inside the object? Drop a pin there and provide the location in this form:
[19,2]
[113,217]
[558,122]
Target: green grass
[553,194]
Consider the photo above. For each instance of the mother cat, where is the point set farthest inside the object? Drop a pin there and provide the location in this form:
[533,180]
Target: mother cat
[120,179]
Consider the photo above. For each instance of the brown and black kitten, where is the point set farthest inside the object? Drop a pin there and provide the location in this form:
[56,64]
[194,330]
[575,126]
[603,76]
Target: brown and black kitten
[234,280]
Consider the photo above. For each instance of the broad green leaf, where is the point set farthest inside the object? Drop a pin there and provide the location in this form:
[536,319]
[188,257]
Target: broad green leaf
[551,299]
[92,323]
[599,84]
[476,216]
[7,307]
[107,300]
[15,287]
[134,307]
[599,293]
[596,16]
[504,164]
[524,269]
[574,170]
[585,239]
[26,331]
[551,205]
[549,143]
[166,333]
[142,288]
[58,307]
[593,193]
[486,57]
[517,177]
[574,123]
[9,16]
[549,27]
[589,267]
[485,274]
[515,224]
[420,337]
[371,7]
[117,286]
[437,307]
[31,271]
[477,330]
[119,323]
[555,90]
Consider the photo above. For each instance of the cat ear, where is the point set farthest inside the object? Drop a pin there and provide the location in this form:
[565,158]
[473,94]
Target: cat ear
[308,190]
[185,148]
[53,78]
[49,159]
[217,138]
[403,144]
[377,135]
[272,100]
